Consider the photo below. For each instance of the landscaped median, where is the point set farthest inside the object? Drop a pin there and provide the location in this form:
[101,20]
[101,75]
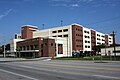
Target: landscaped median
[92,58]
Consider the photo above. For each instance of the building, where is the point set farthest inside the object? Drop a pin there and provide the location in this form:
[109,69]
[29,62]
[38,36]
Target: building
[110,51]
[65,40]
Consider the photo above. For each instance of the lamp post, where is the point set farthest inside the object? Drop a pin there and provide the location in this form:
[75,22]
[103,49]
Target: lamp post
[4,51]
[61,22]
[114,44]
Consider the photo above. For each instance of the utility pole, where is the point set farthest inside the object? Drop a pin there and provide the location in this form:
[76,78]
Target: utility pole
[61,22]
[43,25]
[4,51]
[4,48]
[114,45]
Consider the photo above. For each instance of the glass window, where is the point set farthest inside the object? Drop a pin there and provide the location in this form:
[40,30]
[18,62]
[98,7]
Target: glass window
[54,31]
[65,30]
[53,36]
[59,35]
[41,45]
[66,35]
[59,31]
[51,44]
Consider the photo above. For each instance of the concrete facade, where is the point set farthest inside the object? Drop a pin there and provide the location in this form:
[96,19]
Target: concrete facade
[110,51]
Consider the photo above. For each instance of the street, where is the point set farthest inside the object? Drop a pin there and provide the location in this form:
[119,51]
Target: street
[59,70]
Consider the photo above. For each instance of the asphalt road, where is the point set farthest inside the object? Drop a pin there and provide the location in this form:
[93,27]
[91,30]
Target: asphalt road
[59,70]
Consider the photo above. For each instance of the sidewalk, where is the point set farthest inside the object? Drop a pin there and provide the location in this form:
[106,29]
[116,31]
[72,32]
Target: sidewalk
[22,59]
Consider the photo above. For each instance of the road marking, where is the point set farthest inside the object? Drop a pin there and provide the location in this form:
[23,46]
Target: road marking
[110,77]
[18,74]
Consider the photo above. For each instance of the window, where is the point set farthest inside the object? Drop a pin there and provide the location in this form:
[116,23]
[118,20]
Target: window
[59,35]
[98,35]
[109,41]
[41,45]
[81,35]
[85,31]
[66,35]
[88,32]
[88,46]
[51,44]
[31,46]
[54,31]
[88,41]
[59,31]
[102,36]
[85,41]
[98,43]
[53,36]
[35,46]
[85,46]
[79,29]
[103,40]
[85,36]
[65,30]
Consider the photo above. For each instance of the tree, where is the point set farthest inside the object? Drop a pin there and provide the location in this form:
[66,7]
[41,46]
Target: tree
[1,50]
[97,48]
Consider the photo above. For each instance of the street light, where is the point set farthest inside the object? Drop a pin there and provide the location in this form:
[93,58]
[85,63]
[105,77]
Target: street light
[4,51]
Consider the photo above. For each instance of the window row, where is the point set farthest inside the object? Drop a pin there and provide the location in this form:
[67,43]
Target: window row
[64,30]
[79,35]
[92,37]
[28,47]
[86,31]
[32,47]
[87,41]
[78,29]
[100,39]
[87,46]
[101,35]
[79,45]
[66,35]
[93,33]
[87,36]
[79,40]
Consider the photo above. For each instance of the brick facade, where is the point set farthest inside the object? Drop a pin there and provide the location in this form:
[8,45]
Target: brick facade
[93,38]
[27,32]
[45,47]
[77,37]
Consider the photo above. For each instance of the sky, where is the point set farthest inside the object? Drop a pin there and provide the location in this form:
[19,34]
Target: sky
[101,15]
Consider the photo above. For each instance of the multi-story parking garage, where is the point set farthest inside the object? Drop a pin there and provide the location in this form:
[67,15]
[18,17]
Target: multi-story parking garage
[59,41]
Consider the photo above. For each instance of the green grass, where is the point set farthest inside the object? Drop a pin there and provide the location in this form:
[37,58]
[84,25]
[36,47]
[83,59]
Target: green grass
[90,58]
